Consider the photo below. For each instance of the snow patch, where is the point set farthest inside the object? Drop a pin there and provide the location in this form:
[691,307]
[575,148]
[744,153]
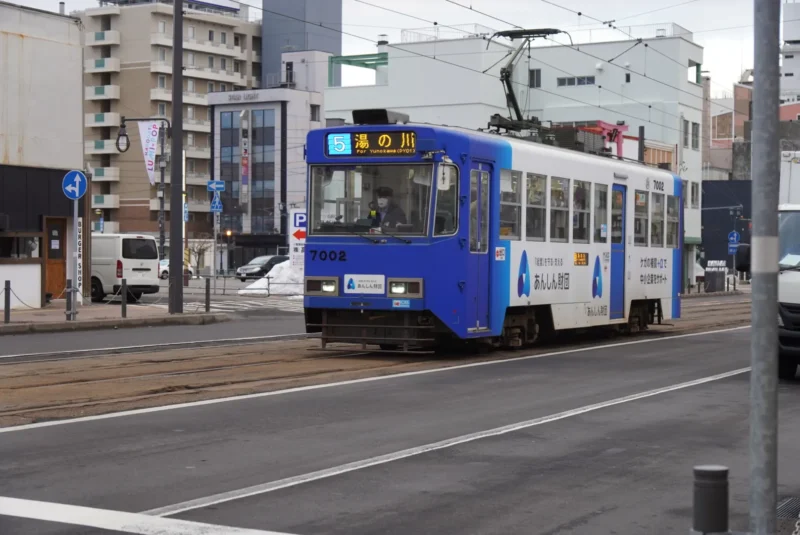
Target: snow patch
[283,279]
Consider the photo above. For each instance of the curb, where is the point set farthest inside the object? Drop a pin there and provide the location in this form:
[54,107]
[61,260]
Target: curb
[91,325]
[711,294]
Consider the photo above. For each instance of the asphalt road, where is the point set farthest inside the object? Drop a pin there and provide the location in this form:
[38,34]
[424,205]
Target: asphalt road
[266,324]
[622,466]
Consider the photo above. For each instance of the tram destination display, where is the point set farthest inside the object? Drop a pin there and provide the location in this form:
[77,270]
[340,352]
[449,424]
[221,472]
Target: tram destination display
[371,144]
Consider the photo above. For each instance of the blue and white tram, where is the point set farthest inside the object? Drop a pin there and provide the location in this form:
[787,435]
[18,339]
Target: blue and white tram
[423,235]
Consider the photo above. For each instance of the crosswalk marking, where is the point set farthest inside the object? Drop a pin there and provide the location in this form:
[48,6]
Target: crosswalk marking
[239,305]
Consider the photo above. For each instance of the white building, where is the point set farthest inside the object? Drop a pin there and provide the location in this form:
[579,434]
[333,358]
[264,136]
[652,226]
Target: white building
[790,52]
[268,127]
[655,83]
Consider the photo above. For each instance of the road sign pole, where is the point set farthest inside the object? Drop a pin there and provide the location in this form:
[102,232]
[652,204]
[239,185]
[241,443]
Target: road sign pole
[76,285]
[176,176]
[764,269]
[74,186]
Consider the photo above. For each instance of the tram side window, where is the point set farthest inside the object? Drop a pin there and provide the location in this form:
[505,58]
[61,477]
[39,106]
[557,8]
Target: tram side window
[559,209]
[640,219]
[673,220]
[617,219]
[510,204]
[536,210]
[581,205]
[657,221]
[446,221]
[600,213]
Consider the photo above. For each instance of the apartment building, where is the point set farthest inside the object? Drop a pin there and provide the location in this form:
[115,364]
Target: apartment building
[128,72]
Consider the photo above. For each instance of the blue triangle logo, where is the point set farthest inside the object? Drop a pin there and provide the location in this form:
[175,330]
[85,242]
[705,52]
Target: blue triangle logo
[597,279]
[524,277]
[351,285]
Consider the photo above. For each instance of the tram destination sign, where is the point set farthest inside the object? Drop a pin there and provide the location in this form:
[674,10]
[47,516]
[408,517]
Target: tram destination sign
[372,144]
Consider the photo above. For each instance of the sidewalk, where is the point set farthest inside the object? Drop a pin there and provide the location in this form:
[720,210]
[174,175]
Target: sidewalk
[53,318]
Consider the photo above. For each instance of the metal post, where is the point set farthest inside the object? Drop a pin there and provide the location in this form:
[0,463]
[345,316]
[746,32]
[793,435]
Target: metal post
[7,302]
[176,201]
[162,164]
[208,296]
[710,499]
[214,252]
[641,144]
[69,295]
[124,295]
[764,257]
[74,305]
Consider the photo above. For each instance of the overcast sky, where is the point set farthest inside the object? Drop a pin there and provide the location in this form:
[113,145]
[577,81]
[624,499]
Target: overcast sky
[722,27]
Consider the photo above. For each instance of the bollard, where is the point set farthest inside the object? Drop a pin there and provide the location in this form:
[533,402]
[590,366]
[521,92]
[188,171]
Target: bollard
[710,500]
[7,302]
[124,294]
[69,300]
[208,296]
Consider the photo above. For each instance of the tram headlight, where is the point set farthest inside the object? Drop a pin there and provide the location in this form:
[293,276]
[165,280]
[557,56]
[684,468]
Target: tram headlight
[405,288]
[322,286]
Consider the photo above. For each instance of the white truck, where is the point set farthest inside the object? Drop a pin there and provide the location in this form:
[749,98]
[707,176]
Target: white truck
[789,265]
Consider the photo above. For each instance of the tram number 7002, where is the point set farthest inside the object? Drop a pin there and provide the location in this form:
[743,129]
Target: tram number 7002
[332,255]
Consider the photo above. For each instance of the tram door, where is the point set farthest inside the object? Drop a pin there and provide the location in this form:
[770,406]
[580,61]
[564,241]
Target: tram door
[478,263]
[616,307]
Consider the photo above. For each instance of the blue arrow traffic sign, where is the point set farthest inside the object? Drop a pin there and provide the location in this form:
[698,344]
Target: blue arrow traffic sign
[734,237]
[216,203]
[74,185]
[215,185]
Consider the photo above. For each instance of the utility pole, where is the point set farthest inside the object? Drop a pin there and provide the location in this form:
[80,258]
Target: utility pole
[176,266]
[162,164]
[764,269]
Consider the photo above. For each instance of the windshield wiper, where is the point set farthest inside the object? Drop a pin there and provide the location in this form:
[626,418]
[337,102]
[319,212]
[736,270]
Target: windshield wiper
[353,232]
[789,268]
[397,238]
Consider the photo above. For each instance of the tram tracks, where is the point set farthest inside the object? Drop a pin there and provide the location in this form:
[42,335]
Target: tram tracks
[37,391]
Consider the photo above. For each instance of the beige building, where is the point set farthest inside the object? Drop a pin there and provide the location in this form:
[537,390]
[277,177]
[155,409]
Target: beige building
[128,72]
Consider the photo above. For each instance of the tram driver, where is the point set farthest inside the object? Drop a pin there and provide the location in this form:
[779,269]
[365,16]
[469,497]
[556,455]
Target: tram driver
[390,215]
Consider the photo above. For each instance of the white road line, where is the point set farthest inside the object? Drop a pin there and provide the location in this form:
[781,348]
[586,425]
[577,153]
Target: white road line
[449,443]
[115,520]
[192,404]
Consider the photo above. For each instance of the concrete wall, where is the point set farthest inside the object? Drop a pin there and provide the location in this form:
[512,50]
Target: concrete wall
[40,56]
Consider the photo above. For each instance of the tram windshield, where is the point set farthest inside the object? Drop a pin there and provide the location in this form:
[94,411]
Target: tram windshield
[789,240]
[370,199]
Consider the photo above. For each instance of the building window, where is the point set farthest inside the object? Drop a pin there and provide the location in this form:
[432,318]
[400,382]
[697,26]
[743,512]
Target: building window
[190,166]
[695,195]
[223,38]
[685,190]
[535,78]
[190,139]
[627,77]
[191,32]
[788,56]
[162,26]
[315,112]
[686,133]
[162,109]
[789,74]
[510,204]
[581,206]
[190,86]
[162,81]
[211,35]
[673,220]
[162,54]
[236,66]
[190,57]
[237,40]
[190,112]
[559,209]
[223,64]
[210,62]
[600,213]
[575,80]
[223,87]
[536,210]
[211,87]
[695,136]
[640,219]
[657,221]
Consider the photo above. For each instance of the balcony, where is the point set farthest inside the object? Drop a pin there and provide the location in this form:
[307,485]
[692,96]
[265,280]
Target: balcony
[202,153]
[215,74]
[101,65]
[105,201]
[105,174]
[102,92]
[197,125]
[195,205]
[109,227]
[198,45]
[192,179]
[102,120]
[107,38]
[103,11]
[100,146]
[161,67]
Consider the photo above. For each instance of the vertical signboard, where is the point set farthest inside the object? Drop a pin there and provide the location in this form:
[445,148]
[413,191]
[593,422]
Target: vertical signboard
[79,295]
[297,237]
[148,133]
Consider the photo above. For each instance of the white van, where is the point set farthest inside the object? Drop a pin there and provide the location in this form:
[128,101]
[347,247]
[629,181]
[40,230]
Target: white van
[124,256]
